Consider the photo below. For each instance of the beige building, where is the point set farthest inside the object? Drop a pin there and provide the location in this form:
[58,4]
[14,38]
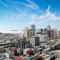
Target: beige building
[2,49]
[29,31]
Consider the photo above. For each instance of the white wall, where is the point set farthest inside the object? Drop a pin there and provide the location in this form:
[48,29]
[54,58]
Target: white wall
[42,38]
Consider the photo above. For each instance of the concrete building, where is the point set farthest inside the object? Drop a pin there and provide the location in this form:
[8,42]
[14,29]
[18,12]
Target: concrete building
[52,34]
[26,32]
[59,34]
[55,33]
[48,27]
[29,31]
[37,38]
[32,27]
[2,49]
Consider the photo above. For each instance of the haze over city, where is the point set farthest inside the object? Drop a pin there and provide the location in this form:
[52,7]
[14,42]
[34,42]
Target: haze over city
[15,15]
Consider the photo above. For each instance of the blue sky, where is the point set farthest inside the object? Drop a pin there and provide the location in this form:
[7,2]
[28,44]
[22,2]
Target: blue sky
[17,14]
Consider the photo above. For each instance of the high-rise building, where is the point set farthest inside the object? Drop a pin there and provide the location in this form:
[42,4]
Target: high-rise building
[55,33]
[45,30]
[26,32]
[29,31]
[49,32]
[59,34]
[36,41]
[52,34]
[48,27]
[32,27]
[37,38]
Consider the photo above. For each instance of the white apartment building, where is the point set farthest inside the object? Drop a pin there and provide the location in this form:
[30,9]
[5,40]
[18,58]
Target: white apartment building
[37,38]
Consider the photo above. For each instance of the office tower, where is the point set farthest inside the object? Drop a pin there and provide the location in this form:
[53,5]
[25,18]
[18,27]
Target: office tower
[45,30]
[37,38]
[36,41]
[29,31]
[26,32]
[23,42]
[49,31]
[48,27]
[32,28]
[55,33]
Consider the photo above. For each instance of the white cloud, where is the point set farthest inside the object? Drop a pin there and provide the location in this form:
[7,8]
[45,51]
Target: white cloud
[33,18]
[32,5]
[46,16]
[48,9]
[49,16]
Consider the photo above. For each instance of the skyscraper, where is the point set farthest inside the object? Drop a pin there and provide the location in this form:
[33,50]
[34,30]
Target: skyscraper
[32,27]
[48,27]
[29,31]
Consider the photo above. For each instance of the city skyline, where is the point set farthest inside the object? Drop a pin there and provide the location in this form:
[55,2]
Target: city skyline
[15,15]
